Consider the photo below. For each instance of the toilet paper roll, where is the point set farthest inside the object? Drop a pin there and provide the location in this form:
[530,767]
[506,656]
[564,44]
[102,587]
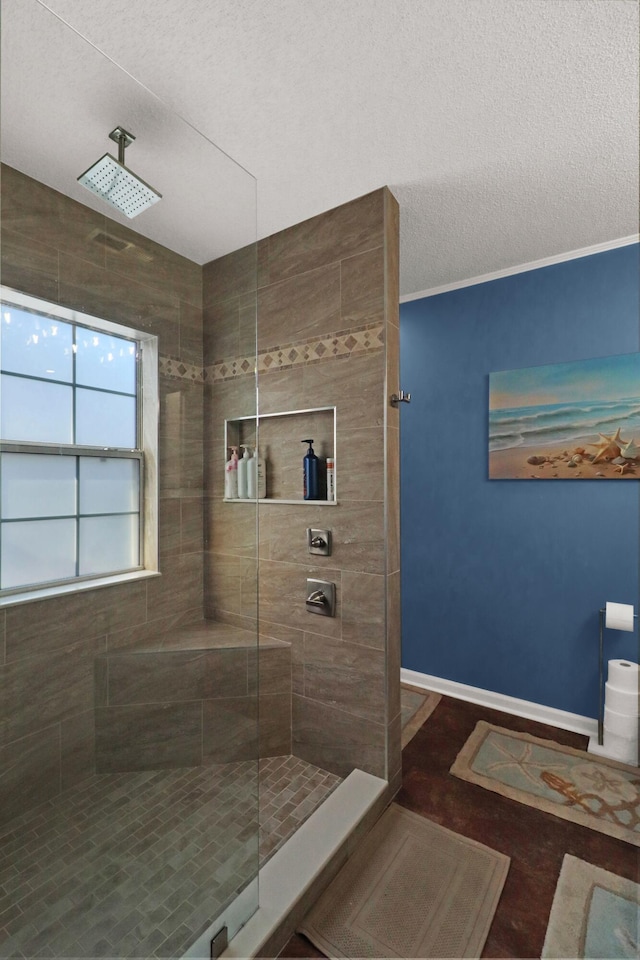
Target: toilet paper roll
[622,701]
[619,748]
[624,675]
[621,724]
[618,616]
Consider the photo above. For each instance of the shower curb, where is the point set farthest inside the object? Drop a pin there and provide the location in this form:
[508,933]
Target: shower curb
[296,875]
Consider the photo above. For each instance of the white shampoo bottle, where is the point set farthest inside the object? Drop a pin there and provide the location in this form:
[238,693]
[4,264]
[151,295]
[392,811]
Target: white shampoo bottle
[243,489]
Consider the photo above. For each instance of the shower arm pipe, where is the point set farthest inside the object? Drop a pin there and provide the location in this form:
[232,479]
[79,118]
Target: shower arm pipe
[123,138]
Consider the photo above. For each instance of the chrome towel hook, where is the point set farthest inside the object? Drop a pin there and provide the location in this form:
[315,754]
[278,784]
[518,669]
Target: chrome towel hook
[400,397]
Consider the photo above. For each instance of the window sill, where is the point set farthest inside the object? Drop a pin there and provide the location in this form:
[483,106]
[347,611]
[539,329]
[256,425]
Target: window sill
[27,596]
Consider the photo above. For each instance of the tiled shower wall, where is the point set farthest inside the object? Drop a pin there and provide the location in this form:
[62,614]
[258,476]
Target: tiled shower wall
[60,250]
[327,296]
[327,303]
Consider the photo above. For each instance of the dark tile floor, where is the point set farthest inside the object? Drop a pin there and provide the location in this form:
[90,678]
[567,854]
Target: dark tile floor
[535,841]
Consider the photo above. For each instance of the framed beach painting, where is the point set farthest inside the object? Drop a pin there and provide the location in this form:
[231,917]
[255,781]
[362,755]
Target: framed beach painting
[566,421]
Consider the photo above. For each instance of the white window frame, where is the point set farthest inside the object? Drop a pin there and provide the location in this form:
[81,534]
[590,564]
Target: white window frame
[146,453]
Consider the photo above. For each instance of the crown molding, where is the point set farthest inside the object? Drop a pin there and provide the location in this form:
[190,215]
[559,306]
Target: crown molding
[523,268]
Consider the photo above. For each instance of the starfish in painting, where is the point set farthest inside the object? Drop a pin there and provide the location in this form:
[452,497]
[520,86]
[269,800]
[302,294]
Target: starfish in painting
[608,448]
[623,468]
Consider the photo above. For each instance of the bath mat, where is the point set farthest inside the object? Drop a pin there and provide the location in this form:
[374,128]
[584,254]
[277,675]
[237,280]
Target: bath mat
[598,793]
[411,889]
[594,914]
[417,706]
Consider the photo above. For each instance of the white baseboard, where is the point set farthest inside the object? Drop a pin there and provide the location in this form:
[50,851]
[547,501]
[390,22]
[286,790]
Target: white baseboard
[500,701]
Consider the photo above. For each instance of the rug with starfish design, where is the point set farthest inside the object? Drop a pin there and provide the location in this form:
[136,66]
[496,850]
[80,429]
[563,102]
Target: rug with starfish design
[596,792]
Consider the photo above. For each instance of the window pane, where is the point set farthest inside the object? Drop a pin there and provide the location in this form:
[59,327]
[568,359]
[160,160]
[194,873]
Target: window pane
[108,485]
[105,419]
[36,551]
[36,485]
[108,544]
[34,410]
[105,361]
[36,345]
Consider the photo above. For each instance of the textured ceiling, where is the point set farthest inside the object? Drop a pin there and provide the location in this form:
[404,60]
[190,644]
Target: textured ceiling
[507,129]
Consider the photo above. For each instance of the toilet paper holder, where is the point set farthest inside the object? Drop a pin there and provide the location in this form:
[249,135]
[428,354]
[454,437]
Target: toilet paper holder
[603,611]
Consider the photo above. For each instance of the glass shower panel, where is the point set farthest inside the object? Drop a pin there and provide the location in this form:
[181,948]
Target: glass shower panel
[131,710]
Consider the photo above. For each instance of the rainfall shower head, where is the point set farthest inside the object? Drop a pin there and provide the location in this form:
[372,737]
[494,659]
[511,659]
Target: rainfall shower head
[117,185]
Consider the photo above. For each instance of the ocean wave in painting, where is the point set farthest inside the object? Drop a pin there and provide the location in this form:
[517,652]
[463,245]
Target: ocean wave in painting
[551,423]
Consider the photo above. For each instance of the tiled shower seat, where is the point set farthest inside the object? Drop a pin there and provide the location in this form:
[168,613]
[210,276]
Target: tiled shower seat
[189,697]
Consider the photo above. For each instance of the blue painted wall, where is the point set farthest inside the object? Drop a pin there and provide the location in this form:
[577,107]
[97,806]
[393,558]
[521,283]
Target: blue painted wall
[502,580]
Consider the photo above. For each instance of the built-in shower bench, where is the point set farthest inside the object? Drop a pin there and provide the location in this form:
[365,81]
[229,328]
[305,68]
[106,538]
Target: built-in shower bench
[192,696]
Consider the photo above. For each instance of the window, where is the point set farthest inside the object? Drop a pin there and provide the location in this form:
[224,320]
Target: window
[77,483]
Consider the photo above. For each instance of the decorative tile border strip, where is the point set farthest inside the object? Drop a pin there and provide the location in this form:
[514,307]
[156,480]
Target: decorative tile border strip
[178,370]
[341,344]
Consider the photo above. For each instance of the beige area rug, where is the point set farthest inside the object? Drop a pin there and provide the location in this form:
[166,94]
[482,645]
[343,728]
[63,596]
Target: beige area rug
[411,889]
[595,792]
[417,706]
[594,914]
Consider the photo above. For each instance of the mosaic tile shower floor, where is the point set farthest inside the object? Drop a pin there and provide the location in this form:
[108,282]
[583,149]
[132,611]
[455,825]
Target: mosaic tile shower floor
[139,864]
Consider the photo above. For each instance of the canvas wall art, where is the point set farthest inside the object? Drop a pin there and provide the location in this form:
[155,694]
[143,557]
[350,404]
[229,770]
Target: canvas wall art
[566,421]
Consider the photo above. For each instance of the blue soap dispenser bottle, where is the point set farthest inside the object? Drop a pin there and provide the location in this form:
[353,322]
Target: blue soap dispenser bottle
[310,473]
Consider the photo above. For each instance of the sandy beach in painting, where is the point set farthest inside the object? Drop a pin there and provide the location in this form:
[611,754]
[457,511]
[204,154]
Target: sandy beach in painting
[512,463]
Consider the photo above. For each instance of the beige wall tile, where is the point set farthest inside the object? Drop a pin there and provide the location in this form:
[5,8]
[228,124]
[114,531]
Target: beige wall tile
[180,588]
[394,644]
[281,390]
[169,527]
[363,608]
[295,639]
[77,749]
[231,275]
[231,528]
[336,740]
[362,289]
[302,307]
[274,725]
[343,674]
[146,633]
[192,520]
[221,330]
[273,671]
[190,343]
[175,676]
[29,772]
[41,214]
[225,575]
[247,328]
[153,265]
[342,232]
[29,266]
[393,499]
[392,252]
[394,749]
[42,690]
[360,463]
[92,289]
[230,730]
[227,400]
[150,736]
[43,626]
[354,384]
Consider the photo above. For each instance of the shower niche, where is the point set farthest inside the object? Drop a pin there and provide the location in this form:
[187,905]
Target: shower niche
[280,442]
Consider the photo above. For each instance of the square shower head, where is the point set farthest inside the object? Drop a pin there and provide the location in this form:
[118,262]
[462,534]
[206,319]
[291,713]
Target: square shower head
[119,187]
